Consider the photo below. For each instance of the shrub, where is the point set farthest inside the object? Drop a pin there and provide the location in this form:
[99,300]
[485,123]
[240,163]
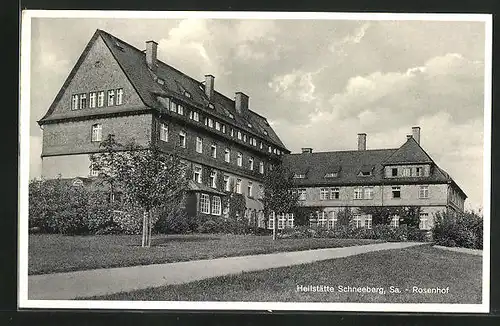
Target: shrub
[458,230]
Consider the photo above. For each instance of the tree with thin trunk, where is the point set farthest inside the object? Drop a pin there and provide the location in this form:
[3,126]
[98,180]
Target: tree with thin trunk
[151,179]
[106,161]
[279,195]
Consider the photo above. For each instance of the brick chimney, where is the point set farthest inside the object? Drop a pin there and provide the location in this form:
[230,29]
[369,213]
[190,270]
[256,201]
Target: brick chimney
[416,134]
[241,102]
[362,142]
[307,150]
[151,54]
[209,86]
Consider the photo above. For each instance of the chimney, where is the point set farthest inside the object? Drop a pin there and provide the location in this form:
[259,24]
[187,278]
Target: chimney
[362,142]
[151,54]
[408,137]
[416,134]
[209,86]
[307,150]
[241,102]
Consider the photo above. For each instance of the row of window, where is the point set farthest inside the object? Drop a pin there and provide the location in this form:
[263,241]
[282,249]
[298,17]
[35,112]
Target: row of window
[97,99]
[284,221]
[227,182]
[329,220]
[415,171]
[213,149]
[219,126]
[359,193]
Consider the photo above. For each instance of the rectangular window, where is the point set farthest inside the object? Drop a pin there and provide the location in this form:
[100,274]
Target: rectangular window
[111,97]
[182,139]
[74,102]
[395,221]
[358,193]
[335,193]
[324,194]
[205,203]
[245,138]
[239,135]
[302,194]
[394,172]
[92,99]
[210,122]
[93,171]
[289,220]
[261,167]
[406,172]
[217,125]
[238,186]
[357,221]
[332,220]
[322,219]
[100,99]
[213,151]
[119,96]
[423,192]
[270,224]
[281,221]
[216,205]
[96,132]
[269,149]
[418,171]
[368,221]
[197,171]
[180,110]
[261,191]
[227,183]
[424,221]
[223,128]
[261,145]
[173,107]
[396,192]
[213,179]
[368,193]
[240,159]
[163,132]
[250,163]
[199,145]
[227,155]
[250,189]
[232,132]
[193,115]
[83,101]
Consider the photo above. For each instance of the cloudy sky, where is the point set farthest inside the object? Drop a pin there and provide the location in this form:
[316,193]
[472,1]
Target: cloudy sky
[319,82]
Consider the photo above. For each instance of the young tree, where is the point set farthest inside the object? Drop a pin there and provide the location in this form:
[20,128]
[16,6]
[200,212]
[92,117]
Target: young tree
[151,179]
[107,162]
[279,195]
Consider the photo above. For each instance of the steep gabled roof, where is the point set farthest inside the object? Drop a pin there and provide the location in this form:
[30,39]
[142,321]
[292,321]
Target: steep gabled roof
[176,83]
[409,152]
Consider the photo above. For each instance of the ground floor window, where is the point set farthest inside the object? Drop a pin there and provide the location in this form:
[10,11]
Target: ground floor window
[357,221]
[216,205]
[332,220]
[205,203]
[260,219]
[424,221]
[284,220]
[368,221]
[322,220]
[395,221]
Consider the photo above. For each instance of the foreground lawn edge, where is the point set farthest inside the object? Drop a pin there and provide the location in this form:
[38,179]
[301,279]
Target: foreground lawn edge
[422,267]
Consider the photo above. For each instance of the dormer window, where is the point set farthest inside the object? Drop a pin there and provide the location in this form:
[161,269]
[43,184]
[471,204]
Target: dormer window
[299,176]
[210,105]
[187,94]
[249,125]
[231,115]
[111,97]
[332,175]
[365,171]
[160,81]
[265,133]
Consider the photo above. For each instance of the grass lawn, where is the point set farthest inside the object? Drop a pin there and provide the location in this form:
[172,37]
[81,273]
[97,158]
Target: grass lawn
[58,253]
[421,266]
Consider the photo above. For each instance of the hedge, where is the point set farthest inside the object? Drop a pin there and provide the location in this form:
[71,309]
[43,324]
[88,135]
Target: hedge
[458,230]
